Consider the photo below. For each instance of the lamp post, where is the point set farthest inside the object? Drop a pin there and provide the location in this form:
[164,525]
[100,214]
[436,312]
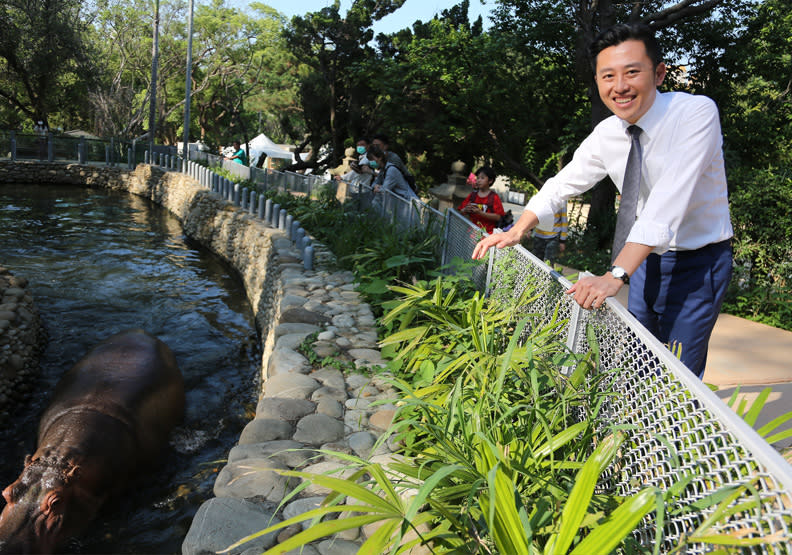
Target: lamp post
[188,84]
[154,63]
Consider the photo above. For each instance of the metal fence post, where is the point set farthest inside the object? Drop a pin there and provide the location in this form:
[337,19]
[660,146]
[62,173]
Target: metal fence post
[287,225]
[490,265]
[274,215]
[81,151]
[50,148]
[446,230]
[13,146]
[298,240]
[112,151]
[282,219]
[267,210]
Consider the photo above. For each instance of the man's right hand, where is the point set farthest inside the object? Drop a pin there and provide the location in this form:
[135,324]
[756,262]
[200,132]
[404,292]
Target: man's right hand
[498,240]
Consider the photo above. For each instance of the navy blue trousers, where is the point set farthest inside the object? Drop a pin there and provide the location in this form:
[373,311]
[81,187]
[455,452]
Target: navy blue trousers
[678,296]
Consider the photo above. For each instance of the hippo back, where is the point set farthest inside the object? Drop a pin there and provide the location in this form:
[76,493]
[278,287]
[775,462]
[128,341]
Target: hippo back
[132,377]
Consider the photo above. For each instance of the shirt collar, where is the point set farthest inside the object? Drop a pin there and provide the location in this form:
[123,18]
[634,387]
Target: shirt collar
[653,117]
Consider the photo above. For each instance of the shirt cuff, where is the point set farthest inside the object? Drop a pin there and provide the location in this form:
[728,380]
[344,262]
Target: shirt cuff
[653,234]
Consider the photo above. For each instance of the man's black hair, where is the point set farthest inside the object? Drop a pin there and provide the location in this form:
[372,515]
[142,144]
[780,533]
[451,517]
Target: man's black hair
[488,171]
[623,32]
[375,152]
[364,139]
[382,137]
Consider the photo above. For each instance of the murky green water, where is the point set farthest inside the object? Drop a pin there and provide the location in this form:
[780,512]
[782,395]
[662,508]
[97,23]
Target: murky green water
[100,262]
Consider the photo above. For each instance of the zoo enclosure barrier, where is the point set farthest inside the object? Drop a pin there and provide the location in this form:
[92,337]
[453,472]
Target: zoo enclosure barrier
[675,426]
[50,147]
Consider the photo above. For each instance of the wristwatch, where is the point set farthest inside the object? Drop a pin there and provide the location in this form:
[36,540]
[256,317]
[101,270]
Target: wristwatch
[620,273]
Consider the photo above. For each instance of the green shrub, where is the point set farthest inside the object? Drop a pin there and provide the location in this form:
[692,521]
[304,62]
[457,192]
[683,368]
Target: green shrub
[761,209]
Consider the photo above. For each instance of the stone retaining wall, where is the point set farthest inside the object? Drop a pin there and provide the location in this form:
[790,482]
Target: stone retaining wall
[21,342]
[303,406]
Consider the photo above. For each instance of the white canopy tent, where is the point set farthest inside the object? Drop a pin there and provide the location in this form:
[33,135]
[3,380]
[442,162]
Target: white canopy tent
[264,145]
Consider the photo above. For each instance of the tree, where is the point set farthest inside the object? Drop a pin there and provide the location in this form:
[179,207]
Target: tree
[240,69]
[687,31]
[332,47]
[44,61]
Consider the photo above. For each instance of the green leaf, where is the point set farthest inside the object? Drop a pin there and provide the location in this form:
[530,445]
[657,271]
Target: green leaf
[576,506]
[622,521]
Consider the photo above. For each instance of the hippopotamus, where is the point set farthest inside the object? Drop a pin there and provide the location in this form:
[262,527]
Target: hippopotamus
[110,416]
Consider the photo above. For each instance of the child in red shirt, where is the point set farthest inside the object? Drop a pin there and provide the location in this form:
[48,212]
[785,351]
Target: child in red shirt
[483,207]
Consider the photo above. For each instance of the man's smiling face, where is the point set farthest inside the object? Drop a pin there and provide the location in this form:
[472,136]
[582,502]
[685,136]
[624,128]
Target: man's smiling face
[626,79]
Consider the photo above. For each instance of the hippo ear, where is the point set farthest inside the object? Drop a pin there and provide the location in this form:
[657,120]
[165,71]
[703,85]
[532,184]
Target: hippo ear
[7,494]
[74,472]
[28,460]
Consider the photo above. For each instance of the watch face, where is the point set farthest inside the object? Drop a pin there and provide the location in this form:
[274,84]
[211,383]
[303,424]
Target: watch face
[618,272]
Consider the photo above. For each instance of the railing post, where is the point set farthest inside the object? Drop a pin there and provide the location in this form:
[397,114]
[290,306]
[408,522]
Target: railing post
[298,240]
[274,215]
[50,148]
[112,151]
[282,219]
[287,225]
[252,202]
[130,159]
[446,231]
[261,206]
[490,264]
[81,151]
[107,155]
[308,258]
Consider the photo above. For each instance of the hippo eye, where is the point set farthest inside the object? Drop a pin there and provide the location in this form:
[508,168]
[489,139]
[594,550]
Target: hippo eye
[53,503]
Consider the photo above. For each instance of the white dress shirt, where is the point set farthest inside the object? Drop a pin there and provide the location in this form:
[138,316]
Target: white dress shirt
[683,202]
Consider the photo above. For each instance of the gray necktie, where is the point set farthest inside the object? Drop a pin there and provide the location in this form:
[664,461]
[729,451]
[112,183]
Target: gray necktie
[629,193]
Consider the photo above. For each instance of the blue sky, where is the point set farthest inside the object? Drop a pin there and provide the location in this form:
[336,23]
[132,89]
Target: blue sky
[400,19]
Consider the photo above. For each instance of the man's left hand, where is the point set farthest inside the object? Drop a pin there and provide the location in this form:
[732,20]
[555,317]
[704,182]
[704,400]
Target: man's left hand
[591,291]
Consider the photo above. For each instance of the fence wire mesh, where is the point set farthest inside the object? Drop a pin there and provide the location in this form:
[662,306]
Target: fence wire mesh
[676,428]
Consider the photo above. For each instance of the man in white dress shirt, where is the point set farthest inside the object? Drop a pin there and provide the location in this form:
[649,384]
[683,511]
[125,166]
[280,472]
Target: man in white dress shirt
[677,257]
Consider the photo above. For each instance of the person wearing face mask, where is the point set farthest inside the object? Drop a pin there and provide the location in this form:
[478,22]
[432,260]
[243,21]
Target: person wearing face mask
[382,142]
[360,172]
[390,177]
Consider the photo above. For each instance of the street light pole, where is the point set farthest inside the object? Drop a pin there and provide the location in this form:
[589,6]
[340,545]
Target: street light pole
[188,85]
[154,63]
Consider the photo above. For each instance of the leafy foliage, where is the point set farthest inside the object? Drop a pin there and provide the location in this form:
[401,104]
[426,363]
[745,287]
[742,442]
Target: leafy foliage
[500,452]
[44,62]
[761,207]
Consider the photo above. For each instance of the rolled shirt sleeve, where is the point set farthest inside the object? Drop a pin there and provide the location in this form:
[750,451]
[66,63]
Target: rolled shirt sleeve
[683,201]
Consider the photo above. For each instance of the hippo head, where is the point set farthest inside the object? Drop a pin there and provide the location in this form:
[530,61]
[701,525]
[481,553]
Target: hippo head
[44,507]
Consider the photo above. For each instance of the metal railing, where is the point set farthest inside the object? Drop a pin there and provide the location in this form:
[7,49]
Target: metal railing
[50,147]
[675,426]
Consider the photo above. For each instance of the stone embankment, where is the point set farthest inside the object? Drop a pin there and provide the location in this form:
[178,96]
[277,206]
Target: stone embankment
[21,342]
[335,401]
